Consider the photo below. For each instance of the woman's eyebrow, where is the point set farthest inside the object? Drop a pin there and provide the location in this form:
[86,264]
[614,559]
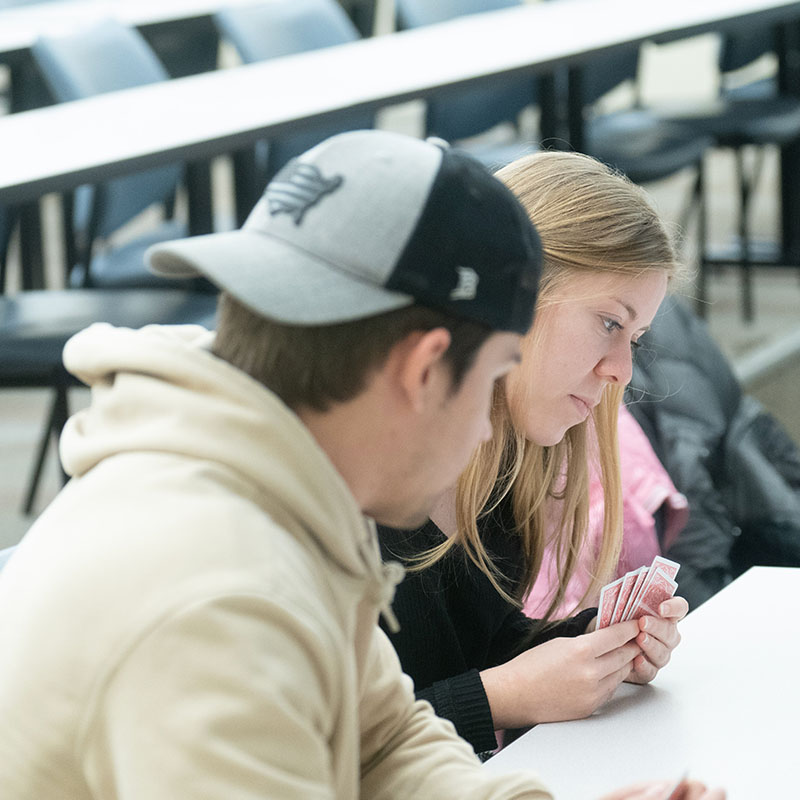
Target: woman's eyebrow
[630,309]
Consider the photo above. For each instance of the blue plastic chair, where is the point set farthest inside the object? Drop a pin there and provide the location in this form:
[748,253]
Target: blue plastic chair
[103,58]
[636,141]
[755,114]
[35,325]
[463,113]
[272,29]
[277,28]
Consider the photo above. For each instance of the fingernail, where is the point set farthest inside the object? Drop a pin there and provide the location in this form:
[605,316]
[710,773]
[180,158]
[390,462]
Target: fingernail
[645,640]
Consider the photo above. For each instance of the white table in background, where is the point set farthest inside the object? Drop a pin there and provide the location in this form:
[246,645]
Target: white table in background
[201,116]
[195,118]
[725,708]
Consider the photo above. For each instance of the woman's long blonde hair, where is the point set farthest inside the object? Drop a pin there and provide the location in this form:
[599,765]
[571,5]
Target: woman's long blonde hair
[591,220]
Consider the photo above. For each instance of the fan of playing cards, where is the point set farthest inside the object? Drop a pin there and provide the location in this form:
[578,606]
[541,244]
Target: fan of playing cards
[638,592]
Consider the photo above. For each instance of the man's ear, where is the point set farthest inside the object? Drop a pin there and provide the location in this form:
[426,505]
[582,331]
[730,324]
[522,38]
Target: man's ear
[421,370]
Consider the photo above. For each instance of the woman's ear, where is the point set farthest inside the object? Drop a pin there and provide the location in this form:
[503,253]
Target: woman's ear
[422,373]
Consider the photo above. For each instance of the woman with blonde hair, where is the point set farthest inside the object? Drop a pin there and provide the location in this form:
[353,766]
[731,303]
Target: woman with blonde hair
[471,651]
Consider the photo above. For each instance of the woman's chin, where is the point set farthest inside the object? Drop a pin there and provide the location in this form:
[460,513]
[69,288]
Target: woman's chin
[548,437]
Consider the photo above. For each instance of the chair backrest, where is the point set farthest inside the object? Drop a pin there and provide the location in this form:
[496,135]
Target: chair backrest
[416,13]
[604,72]
[607,71]
[741,48]
[283,27]
[185,46]
[277,28]
[5,237]
[106,57]
[468,111]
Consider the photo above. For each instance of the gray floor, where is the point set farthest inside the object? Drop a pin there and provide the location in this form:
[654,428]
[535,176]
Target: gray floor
[774,336]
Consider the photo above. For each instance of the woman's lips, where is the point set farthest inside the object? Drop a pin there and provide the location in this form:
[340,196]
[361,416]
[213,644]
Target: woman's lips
[583,405]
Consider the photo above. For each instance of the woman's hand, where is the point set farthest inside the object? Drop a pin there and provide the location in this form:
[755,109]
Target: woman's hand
[657,638]
[562,679]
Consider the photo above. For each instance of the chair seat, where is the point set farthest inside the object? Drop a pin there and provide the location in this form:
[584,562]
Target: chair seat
[644,146]
[754,90]
[123,267]
[34,326]
[774,120]
[746,118]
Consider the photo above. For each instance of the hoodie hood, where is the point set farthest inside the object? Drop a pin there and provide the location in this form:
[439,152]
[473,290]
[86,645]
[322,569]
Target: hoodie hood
[160,389]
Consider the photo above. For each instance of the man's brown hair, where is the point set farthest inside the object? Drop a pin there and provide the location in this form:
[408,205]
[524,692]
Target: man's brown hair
[315,366]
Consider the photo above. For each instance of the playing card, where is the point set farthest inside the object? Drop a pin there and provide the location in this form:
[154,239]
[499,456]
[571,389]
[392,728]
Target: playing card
[621,599]
[660,587]
[659,562]
[628,581]
[608,599]
[641,577]
[665,565]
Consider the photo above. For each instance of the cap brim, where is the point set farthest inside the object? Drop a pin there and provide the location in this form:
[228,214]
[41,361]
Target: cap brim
[274,278]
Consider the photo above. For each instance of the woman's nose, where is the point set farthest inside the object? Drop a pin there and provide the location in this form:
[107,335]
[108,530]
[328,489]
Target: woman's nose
[617,365]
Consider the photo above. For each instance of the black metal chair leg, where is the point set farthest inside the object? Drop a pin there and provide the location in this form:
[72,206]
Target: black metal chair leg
[698,198]
[60,416]
[59,411]
[746,267]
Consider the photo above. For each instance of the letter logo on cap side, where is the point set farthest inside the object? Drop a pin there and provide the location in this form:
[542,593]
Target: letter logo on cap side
[296,188]
[467,287]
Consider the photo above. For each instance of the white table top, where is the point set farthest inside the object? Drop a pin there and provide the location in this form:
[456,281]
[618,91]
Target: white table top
[725,708]
[205,115]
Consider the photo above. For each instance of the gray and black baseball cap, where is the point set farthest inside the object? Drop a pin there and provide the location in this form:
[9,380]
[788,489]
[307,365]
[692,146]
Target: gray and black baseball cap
[367,222]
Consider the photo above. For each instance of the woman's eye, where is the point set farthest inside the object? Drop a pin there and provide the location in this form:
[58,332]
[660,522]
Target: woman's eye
[635,345]
[611,325]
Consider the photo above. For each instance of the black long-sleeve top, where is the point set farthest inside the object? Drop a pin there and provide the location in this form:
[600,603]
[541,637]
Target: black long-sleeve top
[453,622]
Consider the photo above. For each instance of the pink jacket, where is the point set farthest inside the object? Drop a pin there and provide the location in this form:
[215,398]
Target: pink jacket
[645,487]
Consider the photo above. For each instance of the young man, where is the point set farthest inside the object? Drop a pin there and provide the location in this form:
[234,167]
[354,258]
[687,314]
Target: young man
[195,614]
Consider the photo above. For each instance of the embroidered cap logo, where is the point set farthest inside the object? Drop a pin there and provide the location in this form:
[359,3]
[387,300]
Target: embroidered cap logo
[296,188]
[467,286]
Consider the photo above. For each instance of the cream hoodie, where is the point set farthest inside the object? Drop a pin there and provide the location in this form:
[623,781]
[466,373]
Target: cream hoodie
[194,615]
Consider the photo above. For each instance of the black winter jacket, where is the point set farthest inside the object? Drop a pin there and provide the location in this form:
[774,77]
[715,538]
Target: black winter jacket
[735,463]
